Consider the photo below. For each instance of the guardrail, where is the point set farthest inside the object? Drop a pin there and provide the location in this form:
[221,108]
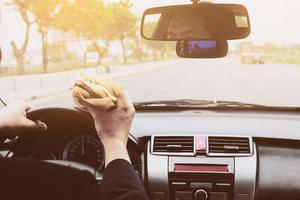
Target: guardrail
[33,86]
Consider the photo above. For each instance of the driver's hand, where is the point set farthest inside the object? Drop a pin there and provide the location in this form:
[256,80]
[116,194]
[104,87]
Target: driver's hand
[13,120]
[113,126]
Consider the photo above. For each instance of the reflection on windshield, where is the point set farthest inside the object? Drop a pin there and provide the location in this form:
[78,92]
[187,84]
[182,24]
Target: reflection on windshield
[46,46]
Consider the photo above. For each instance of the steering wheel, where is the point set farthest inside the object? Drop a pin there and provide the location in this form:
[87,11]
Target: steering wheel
[67,121]
[71,115]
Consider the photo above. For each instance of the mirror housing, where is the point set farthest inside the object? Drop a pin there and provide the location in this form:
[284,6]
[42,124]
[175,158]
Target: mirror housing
[203,21]
[202,49]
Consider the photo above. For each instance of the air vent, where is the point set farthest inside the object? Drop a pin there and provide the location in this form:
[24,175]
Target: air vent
[229,146]
[173,145]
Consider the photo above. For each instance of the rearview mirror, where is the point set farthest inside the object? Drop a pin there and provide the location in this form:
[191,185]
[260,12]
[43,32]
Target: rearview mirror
[203,21]
[202,49]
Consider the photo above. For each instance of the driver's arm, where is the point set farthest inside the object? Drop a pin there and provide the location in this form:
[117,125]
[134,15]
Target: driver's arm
[13,120]
[120,181]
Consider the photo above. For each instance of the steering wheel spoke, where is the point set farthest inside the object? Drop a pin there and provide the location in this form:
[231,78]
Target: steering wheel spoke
[76,165]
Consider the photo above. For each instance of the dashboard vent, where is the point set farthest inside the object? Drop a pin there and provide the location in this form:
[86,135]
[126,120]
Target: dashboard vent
[173,145]
[229,146]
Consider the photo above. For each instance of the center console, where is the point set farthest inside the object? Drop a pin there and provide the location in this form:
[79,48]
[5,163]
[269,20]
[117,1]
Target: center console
[201,178]
[201,168]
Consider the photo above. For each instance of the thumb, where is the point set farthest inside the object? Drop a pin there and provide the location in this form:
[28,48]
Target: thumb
[37,126]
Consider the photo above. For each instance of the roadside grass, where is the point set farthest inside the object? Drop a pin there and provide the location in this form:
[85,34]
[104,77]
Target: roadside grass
[284,59]
[68,66]
[52,67]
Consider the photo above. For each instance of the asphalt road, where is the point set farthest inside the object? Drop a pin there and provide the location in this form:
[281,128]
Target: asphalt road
[218,79]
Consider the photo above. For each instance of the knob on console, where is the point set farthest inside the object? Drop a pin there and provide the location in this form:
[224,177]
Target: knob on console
[200,195]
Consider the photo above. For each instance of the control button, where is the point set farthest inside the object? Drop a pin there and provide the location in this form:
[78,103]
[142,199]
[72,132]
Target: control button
[179,183]
[223,184]
[200,144]
[218,196]
[195,185]
[201,195]
[158,196]
[183,195]
[242,197]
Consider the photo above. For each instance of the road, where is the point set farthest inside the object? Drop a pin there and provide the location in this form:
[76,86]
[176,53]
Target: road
[218,79]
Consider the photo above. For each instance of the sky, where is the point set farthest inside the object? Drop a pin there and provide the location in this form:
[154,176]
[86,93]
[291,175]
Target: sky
[271,21]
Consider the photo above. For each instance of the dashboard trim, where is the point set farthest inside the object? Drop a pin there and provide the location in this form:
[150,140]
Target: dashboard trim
[173,153]
[194,153]
[230,154]
[245,175]
[157,176]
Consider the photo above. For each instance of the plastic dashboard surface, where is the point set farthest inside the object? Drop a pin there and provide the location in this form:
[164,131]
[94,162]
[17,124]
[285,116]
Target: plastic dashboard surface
[255,124]
[277,136]
[279,170]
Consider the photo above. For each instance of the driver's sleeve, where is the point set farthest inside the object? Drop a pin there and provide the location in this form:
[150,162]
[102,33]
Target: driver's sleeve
[121,182]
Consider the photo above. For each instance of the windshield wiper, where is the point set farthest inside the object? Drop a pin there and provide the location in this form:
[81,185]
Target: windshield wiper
[179,102]
[205,104]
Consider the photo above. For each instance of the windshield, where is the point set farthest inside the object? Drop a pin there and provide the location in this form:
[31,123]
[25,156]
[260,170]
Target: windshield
[47,44]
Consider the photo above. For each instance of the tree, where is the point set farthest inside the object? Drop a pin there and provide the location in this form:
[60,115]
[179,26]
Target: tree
[59,53]
[98,23]
[86,19]
[123,23]
[44,13]
[101,51]
[137,48]
[41,13]
[22,6]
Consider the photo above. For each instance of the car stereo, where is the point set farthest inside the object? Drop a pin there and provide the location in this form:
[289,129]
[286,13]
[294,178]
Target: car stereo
[200,167]
[201,178]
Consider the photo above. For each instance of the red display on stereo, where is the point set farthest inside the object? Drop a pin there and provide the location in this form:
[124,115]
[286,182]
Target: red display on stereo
[200,168]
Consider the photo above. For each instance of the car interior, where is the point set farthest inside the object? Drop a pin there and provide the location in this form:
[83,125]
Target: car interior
[183,150]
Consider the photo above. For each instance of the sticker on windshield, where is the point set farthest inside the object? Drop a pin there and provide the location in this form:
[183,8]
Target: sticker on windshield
[241,21]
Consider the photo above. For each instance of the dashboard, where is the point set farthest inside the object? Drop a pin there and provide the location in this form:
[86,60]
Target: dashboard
[220,155]
[185,155]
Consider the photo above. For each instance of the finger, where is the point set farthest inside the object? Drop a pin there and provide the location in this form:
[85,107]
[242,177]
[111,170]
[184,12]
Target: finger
[125,100]
[103,103]
[117,88]
[96,91]
[78,99]
[105,82]
[37,126]
[85,87]
[83,92]
[27,107]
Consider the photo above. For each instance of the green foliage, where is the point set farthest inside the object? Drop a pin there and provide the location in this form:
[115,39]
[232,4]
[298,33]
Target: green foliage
[84,18]
[44,12]
[123,21]
[94,21]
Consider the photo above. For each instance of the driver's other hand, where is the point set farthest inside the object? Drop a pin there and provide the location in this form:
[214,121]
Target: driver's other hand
[114,124]
[13,120]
